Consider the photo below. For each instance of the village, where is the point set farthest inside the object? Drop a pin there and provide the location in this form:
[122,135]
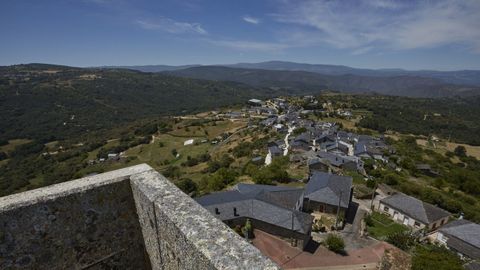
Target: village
[311,200]
[290,222]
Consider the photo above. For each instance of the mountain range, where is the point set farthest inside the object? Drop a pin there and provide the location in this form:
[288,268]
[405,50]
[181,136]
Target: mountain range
[300,78]
[463,77]
[296,81]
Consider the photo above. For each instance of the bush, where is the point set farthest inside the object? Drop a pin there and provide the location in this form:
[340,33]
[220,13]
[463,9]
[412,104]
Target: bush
[402,240]
[335,243]
[368,220]
[460,151]
[187,185]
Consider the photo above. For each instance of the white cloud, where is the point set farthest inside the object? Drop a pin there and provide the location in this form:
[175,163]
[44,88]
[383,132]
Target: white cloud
[244,45]
[251,20]
[172,26]
[384,23]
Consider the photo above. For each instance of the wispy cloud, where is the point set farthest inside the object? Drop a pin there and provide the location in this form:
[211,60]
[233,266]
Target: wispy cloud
[251,20]
[245,45]
[385,23]
[172,26]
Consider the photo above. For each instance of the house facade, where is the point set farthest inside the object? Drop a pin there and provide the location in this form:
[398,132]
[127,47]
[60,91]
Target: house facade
[328,193]
[413,212]
[461,236]
[273,209]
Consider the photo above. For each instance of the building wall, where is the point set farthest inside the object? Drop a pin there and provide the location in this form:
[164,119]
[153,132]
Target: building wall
[96,228]
[401,217]
[313,206]
[132,218]
[301,239]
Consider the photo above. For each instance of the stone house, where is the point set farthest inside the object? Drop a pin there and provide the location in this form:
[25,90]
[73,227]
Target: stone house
[273,209]
[413,212]
[326,193]
[461,236]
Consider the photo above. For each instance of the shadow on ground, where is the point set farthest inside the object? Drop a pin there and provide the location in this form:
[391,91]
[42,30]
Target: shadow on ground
[352,211]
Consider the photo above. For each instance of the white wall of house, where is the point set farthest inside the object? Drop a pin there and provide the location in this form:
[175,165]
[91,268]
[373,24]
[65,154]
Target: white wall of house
[400,217]
[403,218]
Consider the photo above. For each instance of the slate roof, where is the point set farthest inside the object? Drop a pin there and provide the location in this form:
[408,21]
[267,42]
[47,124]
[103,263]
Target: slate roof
[463,236]
[304,137]
[472,266]
[415,208]
[275,150]
[334,159]
[270,204]
[328,188]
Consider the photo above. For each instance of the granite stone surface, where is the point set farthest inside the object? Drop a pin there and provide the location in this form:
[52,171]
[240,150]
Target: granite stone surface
[133,218]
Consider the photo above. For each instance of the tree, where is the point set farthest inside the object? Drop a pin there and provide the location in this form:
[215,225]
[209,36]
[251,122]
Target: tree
[187,185]
[460,151]
[335,243]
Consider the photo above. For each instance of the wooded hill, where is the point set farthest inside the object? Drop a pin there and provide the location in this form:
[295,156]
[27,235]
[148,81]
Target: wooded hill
[47,102]
[296,81]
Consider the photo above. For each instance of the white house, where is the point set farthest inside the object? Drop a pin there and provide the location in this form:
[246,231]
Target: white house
[413,212]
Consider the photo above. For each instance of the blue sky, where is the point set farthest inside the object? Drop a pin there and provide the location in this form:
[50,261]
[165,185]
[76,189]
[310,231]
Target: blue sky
[440,34]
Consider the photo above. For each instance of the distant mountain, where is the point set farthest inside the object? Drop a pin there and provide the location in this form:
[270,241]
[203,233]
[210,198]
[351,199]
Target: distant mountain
[462,77]
[150,68]
[404,85]
[465,77]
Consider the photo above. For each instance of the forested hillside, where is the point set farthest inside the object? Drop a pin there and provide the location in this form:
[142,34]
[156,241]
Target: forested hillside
[301,82]
[47,103]
[456,119]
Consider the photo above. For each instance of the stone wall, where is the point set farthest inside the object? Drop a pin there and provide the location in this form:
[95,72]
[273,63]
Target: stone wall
[132,218]
[87,223]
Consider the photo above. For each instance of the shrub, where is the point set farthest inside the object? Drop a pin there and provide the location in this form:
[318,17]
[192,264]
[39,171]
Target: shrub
[335,243]
[368,220]
[402,240]
[187,185]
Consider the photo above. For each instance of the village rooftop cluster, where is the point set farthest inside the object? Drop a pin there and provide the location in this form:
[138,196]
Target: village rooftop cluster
[326,203]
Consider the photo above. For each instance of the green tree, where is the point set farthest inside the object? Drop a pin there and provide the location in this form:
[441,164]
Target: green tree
[460,151]
[187,185]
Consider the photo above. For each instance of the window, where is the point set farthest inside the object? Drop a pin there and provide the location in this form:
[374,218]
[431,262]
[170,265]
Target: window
[216,211]
[417,224]
[235,211]
[385,208]
[443,221]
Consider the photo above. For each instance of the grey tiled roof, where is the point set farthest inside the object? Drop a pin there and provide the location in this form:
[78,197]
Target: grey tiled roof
[328,188]
[463,236]
[335,159]
[275,150]
[415,208]
[472,266]
[270,204]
